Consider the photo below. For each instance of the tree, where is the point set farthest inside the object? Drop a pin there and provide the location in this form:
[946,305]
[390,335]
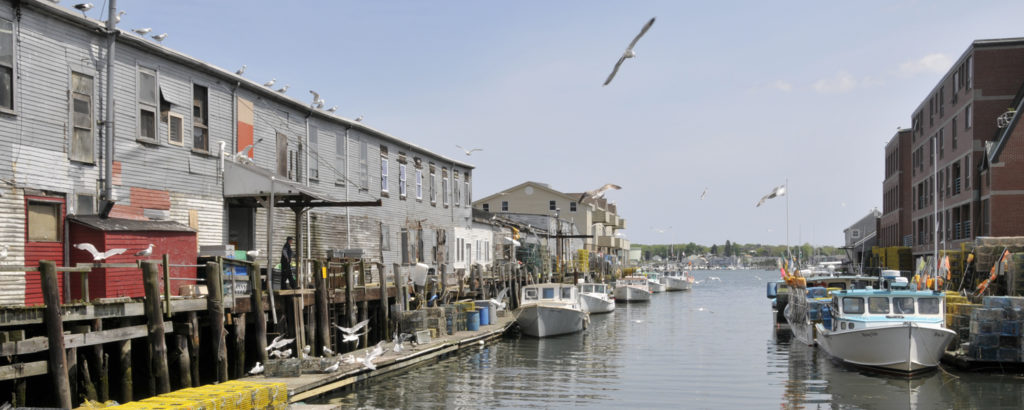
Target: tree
[728,248]
[714,250]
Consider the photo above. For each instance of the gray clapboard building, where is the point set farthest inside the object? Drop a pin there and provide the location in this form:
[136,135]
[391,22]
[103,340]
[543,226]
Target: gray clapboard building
[177,124]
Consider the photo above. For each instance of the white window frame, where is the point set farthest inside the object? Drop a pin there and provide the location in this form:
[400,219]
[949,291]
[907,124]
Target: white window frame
[383,174]
[401,180]
[444,191]
[456,192]
[314,153]
[153,107]
[504,206]
[11,66]
[340,148]
[419,184]
[203,123]
[90,121]
[433,188]
[171,117]
[465,193]
[364,164]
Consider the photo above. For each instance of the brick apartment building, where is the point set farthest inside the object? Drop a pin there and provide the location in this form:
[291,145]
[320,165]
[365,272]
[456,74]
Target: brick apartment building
[895,222]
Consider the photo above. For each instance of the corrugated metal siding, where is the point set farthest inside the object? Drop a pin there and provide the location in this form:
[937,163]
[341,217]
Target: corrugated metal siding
[12,234]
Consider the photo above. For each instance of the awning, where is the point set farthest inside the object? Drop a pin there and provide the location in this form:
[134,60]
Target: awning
[247,184]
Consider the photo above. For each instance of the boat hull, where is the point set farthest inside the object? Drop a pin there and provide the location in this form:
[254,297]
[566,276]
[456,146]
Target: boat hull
[544,321]
[631,294]
[597,304]
[656,287]
[673,284]
[905,347]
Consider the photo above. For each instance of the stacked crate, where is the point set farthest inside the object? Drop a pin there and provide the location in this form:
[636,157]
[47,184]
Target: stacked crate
[232,395]
[995,329]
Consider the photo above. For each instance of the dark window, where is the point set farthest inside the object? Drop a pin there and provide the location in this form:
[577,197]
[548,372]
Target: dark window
[6,65]
[551,205]
[487,207]
[147,103]
[83,136]
[200,118]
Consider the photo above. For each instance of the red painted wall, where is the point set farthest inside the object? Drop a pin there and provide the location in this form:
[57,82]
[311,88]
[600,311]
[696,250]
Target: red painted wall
[37,251]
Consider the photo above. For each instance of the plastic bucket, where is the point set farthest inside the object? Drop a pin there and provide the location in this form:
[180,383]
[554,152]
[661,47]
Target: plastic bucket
[473,321]
[485,316]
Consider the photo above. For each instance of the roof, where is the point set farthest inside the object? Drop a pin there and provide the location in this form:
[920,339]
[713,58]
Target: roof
[127,225]
[124,37]
[534,184]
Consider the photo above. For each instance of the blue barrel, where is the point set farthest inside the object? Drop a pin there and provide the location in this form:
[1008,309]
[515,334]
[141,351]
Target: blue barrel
[485,315]
[473,321]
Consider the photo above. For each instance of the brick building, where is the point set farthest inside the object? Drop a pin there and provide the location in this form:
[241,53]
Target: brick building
[895,222]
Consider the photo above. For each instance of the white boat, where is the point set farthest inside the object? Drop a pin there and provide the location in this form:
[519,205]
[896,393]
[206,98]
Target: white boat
[678,280]
[550,309]
[632,289]
[654,282]
[595,299]
[894,330]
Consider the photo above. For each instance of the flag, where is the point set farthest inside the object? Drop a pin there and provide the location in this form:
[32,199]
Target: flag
[777,191]
[945,265]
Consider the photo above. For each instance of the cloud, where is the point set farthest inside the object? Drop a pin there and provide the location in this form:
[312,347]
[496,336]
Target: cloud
[932,63]
[841,83]
[782,85]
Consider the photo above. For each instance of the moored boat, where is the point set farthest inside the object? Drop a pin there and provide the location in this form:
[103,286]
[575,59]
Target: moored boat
[551,309]
[654,282]
[595,298]
[677,280]
[632,289]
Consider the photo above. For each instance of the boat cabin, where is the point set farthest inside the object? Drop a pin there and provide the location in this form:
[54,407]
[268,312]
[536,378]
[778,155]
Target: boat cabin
[633,281]
[553,292]
[594,288]
[862,308]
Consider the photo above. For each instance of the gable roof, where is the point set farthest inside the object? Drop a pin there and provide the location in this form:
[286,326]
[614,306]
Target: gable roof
[534,184]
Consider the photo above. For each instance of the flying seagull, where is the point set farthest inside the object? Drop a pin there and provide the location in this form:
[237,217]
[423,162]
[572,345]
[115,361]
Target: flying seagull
[629,53]
[777,191]
[317,101]
[270,83]
[278,342]
[255,253]
[160,37]
[97,255]
[142,31]
[598,193]
[145,252]
[283,89]
[704,194]
[240,70]
[83,7]
[469,151]
[353,329]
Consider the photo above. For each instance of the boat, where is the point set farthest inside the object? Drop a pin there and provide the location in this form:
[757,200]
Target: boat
[677,280]
[894,329]
[632,289]
[803,307]
[551,309]
[778,292]
[654,282]
[595,298]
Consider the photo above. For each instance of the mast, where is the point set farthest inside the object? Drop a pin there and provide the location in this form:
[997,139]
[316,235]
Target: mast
[789,253]
[935,215]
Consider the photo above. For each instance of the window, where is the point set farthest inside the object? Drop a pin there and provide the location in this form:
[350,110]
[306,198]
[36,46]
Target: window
[566,293]
[85,204]
[364,166]
[457,193]
[504,206]
[942,148]
[419,184]
[465,192]
[879,305]
[967,116]
[970,71]
[444,188]
[44,224]
[531,294]
[147,102]
[551,205]
[433,186]
[175,132]
[282,155]
[478,250]
[487,250]
[385,238]
[855,233]
[952,142]
[314,153]
[928,306]
[967,171]
[853,306]
[7,65]
[486,207]
[572,206]
[200,118]
[405,246]
[82,137]
[339,159]
[903,305]
[401,180]
[548,293]
[383,175]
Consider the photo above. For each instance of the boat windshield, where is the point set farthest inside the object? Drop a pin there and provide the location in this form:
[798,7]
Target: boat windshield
[531,294]
[928,306]
[879,305]
[587,288]
[903,305]
[853,306]
[567,293]
[548,293]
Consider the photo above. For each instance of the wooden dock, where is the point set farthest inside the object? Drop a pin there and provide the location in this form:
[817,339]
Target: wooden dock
[311,385]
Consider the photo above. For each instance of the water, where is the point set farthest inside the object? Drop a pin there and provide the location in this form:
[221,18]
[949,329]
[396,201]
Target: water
[712,347]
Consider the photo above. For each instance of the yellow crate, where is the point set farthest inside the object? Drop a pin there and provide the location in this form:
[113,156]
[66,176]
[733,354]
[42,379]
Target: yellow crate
[237,399]
[264,394]
[208,401]
[151,406]
[173,402]
[949,319]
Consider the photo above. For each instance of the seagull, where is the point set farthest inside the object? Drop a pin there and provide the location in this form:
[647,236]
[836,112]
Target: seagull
[348,359]
[399,340]
[332,368]
[240,70]
[142,31]
[320,104]
[160,37]
[497,301]
[359,118]
[283,89]
[242,154]
[307,349]
[629,53]
[332,109]
[354,337]
[286,353]
[278,342]
[145,252]
[270,83]
[257,369]
[469,151]
[704,194]
[353,329]
[598,193]
[276,353]
[117,18]
[253,253]
[97,255]
[83,7]
[328,351]
[371,356]
[777,191]
[317,101]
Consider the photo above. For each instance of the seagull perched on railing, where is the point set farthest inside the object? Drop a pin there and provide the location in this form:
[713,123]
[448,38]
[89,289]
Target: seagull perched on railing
[97,255]
[629,53]
[145,252]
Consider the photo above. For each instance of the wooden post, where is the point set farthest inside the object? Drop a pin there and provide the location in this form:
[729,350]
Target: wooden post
[72,358]
[444,284]
[384,302]
[349,302]
[167,286]
[402,287]
[239,365]
[183,360]
[55,334]
[99,360]
[260,318]
[323,326]
[215,310]
[125,365]
[90,388]
[193,347]
[20,396]
[155,328]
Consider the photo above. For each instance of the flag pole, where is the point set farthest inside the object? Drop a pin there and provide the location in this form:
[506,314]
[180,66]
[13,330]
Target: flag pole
[935,214]
[788,252]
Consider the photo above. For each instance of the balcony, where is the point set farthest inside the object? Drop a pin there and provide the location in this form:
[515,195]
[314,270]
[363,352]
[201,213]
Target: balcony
[606,241]
[621,224]
[624,244]
[613,220]
[600,216]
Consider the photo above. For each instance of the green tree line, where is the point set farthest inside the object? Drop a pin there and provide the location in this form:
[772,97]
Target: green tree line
[736,249]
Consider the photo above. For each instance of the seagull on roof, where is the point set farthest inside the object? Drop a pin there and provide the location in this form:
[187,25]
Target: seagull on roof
[629,53]
[240,70]
[97,255]
[142,31]
[117,18]
[598,193]
[469,151]
[83,7]
[317,101]
[145,252]
[283,89]
[359,118]
[160,37]
[332,109]
[270,83]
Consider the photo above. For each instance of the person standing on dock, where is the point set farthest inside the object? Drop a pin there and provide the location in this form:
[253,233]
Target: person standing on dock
[288,280]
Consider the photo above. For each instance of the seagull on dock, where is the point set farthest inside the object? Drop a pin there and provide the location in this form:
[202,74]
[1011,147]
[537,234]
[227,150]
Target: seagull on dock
[399,340]
[328,351]
[332,368]
[97,255]
[347,359]
[629,53]
[469,151]
[597,193]
[145,252]
[257,369]
[307,349]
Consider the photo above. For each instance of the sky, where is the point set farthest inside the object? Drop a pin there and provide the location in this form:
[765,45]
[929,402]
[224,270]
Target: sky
[736,97]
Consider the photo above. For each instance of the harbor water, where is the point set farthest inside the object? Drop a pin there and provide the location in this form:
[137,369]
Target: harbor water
[713,347]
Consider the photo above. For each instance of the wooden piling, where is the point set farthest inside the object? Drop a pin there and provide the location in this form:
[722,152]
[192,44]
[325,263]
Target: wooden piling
[400,292]
[193,347]
[20,395]
[384,303]
[72,360]
[55,334]
[239,341]
[184,362]
[260,317]
[349,303]
[124,363]
[99,361]
[155,327]
[87,384]
[323,327]
[215,310]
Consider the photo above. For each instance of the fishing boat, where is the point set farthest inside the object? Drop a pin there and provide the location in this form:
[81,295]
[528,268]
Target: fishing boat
[595,298]
[632,289]
[551,309]
[677,280]
[778,292]
[802,316]
[654,282]
[803,307]
[894,329]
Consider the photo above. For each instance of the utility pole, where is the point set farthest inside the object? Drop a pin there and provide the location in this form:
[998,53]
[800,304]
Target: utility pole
[107,200]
